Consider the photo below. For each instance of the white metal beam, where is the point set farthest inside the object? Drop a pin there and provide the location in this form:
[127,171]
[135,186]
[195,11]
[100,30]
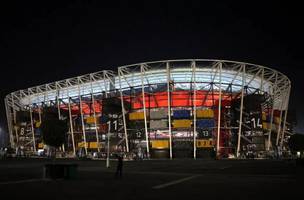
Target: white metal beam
[82,122]
[145,112]
[219,113]
[241,113]
[169,108]
[193,66]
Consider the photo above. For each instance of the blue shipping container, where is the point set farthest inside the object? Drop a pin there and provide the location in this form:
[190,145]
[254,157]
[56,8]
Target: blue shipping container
[103,119]
[205,123]
[181,114]
[38,131]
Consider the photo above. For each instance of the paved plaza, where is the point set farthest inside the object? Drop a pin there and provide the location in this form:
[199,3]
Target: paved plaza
[155,179]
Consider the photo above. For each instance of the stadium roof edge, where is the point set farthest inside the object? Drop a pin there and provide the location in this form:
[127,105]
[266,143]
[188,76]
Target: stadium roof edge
[114,73]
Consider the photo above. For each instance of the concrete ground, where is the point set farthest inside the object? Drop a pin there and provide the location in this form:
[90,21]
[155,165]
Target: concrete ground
[155,179]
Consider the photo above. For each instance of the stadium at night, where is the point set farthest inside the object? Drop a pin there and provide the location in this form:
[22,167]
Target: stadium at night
[165,109]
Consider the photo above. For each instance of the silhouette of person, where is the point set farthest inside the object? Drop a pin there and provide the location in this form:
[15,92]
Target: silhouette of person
[119,166]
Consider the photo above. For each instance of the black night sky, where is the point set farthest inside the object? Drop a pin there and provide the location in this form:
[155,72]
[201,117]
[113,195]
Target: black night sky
[45,41]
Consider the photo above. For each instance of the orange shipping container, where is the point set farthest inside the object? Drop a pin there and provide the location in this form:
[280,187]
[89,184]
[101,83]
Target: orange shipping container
[91,120]
[160,144]
[204,143]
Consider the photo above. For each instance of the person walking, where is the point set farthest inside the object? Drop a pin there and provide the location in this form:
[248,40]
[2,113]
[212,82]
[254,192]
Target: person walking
[119,166]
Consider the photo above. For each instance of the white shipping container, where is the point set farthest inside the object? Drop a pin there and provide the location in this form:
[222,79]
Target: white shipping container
[158,114]
[158,124]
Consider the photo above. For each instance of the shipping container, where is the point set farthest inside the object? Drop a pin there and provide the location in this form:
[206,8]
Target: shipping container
[103,128]
[40,145]
[136,116]
[277,120]
[95,145]
[181,123]
[158,124]
[103,119]
[160,153]
[276,113]
[266,126]
[204,143]
[136,125]
[38,131]
[91,120]
[258,140]
[264,118]
[38,124]
[207,113]
[181,114]
[260,146]
[160,144]
[205,123]
[83,144]
[159,114]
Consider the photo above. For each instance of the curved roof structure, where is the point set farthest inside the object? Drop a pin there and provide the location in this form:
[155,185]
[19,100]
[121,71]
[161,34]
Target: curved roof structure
[199,72]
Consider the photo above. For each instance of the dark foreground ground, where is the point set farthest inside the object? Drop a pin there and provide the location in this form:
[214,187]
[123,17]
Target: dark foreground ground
[156,179]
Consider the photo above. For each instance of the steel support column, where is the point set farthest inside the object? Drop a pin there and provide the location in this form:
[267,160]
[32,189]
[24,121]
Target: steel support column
[39,114]
[95,123]
[71,126]
[94,115]
[194,110]
[9,123]
[169,107]
[59,114]
[285,118]
[123,112]
[283,99]
[82,122]
[262,81]
[145,112]
[14,119]
[274,91]
[58,108]
[279,126]
[241,113]
[32,128]
[219,112]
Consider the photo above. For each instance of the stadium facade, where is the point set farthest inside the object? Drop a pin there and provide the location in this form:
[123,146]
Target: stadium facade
[171,108]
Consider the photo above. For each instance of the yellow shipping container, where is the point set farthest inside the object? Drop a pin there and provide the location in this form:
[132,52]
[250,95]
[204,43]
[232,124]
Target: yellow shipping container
[40,145]
[94,145]
[136,115]
[38,124]
[81,144]
[91,120]
[160,144]
[264,118]
[277,120]
[266,126]
[208,113]
[204,143]
[181,123]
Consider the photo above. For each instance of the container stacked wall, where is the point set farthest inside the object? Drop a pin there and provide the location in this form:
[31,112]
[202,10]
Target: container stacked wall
[177,108]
